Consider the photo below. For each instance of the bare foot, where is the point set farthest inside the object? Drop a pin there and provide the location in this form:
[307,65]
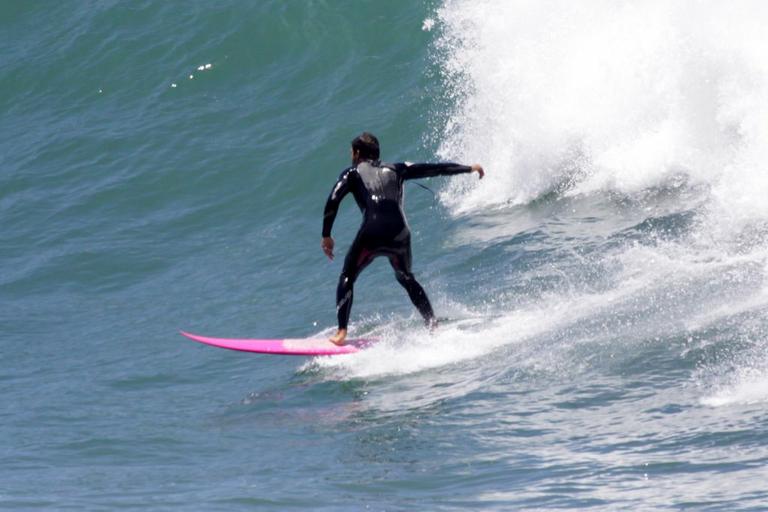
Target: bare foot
[432,324]
[339,337]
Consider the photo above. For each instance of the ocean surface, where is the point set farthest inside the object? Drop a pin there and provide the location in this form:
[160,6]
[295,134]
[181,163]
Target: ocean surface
[164,166]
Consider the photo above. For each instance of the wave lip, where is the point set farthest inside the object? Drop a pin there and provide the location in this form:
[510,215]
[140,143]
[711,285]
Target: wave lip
[605,96]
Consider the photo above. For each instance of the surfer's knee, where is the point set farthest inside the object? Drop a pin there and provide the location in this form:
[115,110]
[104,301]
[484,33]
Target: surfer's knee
[403,277]
[346,280]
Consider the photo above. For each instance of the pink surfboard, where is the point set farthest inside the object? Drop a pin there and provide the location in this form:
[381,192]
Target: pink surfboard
[287,346]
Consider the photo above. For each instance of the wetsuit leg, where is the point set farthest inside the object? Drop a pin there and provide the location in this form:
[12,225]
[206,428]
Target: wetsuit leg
[356,260]
[400,259]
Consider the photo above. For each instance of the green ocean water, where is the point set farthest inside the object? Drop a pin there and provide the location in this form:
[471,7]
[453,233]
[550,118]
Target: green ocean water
[164,166]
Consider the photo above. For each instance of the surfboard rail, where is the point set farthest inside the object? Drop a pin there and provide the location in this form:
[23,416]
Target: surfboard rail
[282,346]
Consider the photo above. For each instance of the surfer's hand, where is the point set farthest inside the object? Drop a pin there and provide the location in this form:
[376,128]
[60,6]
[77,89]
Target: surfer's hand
[327,245]
[478,169]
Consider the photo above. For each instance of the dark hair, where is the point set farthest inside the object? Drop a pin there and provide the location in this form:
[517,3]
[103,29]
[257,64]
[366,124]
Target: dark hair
[367,144]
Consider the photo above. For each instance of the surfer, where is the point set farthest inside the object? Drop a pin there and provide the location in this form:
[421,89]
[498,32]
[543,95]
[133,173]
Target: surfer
[378,190]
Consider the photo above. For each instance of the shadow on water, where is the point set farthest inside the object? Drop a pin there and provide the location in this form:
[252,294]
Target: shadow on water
[305,402]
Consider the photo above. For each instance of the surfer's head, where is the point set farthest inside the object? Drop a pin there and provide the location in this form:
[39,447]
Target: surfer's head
[365,147]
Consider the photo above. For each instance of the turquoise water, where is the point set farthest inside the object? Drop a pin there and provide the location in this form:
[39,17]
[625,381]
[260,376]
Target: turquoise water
[165,166]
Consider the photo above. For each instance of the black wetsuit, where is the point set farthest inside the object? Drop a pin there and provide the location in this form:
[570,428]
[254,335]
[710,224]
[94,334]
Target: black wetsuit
[378,191]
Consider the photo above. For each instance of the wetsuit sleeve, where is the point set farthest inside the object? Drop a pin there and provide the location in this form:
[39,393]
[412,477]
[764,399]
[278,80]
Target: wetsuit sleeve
[334,199]
[415,171]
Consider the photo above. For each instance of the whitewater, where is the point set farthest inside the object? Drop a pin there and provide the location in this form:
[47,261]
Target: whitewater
[633,133]
[626,144]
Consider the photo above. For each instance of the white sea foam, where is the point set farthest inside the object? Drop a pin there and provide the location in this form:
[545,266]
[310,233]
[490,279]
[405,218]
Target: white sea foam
[404,351]
[747,384]
[606,95]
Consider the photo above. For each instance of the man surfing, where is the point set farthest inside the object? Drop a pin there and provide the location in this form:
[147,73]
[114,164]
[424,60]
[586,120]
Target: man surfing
[378,190]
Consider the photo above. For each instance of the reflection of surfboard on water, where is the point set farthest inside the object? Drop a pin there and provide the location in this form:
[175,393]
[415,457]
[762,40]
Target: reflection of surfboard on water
[287,346]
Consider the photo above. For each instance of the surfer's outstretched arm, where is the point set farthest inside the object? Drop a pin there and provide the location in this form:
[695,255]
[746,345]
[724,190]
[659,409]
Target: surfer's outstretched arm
[416,171]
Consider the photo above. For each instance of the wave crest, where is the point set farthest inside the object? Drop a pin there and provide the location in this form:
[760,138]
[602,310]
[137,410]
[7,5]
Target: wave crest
[580,97]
